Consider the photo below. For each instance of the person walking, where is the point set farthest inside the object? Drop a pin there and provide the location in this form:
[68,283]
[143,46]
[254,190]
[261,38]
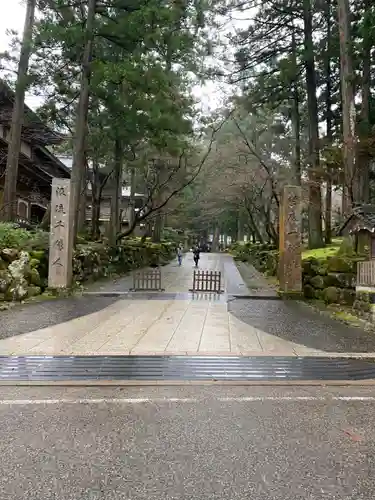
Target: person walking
[196,255]
[179,255]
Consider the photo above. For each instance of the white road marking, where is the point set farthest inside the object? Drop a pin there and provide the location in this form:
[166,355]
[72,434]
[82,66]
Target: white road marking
[121,401]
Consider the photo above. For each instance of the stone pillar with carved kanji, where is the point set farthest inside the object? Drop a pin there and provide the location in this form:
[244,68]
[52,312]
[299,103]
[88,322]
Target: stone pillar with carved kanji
[60,250]
[290,268]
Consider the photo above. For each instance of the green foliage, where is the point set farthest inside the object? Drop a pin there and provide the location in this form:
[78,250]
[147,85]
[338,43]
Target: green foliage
[136,91]
[264,257]
[11,237]
[91,261]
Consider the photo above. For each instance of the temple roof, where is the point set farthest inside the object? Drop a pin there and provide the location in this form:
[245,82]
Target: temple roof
[33,128]
[362,218]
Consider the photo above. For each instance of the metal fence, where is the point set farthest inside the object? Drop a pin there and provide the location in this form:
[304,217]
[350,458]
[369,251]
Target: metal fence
[366,273]
[147,280]
[207,281]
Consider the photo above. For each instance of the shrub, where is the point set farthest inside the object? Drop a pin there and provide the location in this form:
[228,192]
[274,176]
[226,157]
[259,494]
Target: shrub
[13,237]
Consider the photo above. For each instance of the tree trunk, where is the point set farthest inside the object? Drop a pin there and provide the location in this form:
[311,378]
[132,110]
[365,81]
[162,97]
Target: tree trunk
[296,123]
[315,196]
[157,232]
[329,119]
[240,226]
[132,197]
[350,191]
[116,193]
[95,201]
[363,157]
[148,229]
[9,211]
[78,166]
[215,239]
[254,228]
[83,200]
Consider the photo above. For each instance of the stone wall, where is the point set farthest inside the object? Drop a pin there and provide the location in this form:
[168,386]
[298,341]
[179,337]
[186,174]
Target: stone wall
[263,256]
[364,305]
[332,279]
[24,274]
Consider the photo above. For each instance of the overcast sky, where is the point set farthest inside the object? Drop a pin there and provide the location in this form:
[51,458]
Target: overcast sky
[12,18]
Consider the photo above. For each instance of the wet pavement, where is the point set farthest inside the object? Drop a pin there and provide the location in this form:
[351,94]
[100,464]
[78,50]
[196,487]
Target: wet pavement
[297,322]
[257,285]
[29,317]
[184,443]
[176,322]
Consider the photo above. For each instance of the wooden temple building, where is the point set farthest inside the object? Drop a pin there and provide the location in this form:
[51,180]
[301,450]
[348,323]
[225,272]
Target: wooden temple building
[360,225]
[37,165]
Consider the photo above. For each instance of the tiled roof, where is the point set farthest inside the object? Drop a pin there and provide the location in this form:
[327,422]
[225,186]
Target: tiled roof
[363,217]
[366,213]
[33,128]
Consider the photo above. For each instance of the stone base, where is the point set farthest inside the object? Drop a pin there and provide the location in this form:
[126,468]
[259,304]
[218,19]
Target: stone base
[291,294]
[364,304]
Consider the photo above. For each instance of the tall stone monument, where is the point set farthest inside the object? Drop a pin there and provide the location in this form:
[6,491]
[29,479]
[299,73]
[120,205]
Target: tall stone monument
[290,224]
[60,249]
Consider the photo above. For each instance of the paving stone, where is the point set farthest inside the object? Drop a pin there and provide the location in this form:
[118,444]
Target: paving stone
[178,322]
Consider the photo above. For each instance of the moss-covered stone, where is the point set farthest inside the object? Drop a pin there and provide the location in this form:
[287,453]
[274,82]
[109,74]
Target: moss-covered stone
[346,280]
[318,294]
[33,291]
[331,295]
[34,263]
[34,277]
[322,270]
[17,290]
[331,279]
[317,282]
[361,306]
[310,266]
[91,261]
[5,281]
[347,296]
[38,254]
[363,296]
[308,291]
[20,267]
[9,254]
[337,264]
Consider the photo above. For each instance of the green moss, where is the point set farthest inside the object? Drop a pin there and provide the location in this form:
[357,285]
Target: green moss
[347,317]
[331,279]
[317,282]
[331,295]
[320,253]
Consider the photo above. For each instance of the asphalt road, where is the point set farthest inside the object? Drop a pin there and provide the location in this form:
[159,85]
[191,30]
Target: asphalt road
[187,443]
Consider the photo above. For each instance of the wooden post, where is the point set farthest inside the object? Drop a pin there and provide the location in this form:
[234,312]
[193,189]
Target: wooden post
[60,250]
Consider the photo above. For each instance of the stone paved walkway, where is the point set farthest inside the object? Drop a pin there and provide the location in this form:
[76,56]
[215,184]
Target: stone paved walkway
[175,322]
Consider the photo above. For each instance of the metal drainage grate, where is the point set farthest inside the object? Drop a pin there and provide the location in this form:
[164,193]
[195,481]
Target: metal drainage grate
[193,368]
